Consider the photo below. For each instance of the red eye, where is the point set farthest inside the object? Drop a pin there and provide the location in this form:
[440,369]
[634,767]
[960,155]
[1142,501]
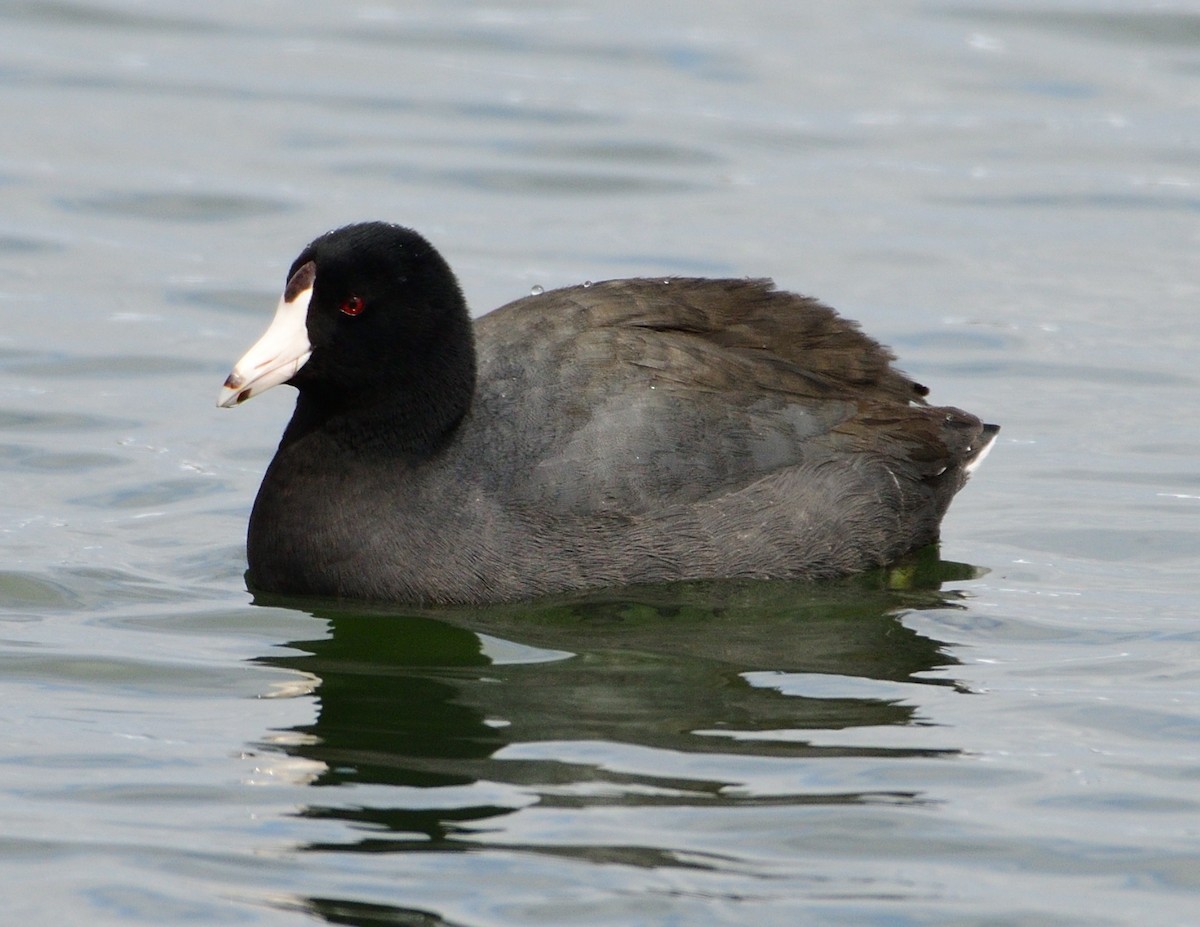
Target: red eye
[352,305]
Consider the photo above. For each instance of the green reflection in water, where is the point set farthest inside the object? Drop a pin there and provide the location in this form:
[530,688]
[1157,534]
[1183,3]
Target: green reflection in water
[534,700]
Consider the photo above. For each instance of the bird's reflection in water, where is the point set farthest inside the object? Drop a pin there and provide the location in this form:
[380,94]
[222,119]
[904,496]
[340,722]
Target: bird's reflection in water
[471,714]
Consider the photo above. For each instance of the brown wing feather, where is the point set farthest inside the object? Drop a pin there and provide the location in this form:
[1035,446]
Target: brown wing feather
[798,342]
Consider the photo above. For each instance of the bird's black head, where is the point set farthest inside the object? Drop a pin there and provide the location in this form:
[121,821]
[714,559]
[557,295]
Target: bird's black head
[383,303]
[371,322]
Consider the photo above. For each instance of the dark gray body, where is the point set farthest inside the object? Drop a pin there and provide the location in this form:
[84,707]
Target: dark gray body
[637,431]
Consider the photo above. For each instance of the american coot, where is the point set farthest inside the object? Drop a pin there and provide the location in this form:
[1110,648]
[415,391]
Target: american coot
[624,432]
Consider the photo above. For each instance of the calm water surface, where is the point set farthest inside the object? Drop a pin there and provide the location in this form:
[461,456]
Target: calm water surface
[1005,734]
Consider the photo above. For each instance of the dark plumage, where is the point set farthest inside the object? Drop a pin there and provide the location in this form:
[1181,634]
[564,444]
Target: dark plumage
[625,432]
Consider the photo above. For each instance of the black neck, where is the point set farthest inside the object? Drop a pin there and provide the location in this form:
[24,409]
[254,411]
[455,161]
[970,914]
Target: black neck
[413,413]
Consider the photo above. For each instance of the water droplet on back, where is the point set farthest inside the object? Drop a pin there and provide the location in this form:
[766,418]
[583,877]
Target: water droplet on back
[537,290]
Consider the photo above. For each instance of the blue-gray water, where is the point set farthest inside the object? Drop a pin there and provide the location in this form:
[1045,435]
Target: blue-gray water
[1007,193]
